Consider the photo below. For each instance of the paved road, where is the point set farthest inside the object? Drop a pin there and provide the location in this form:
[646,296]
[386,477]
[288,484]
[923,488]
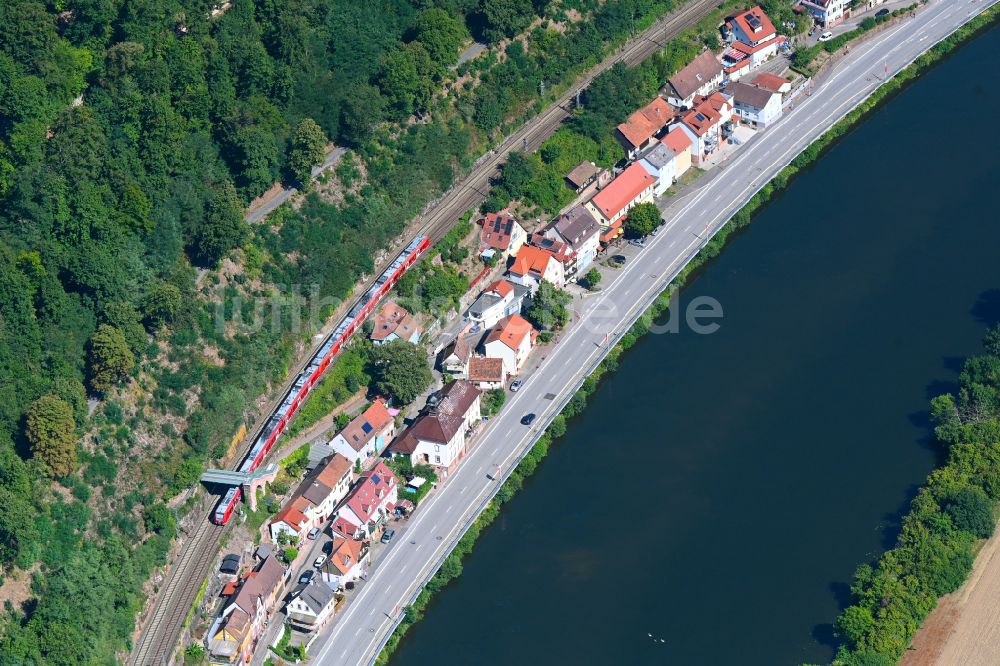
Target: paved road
[286,193]
[361,629]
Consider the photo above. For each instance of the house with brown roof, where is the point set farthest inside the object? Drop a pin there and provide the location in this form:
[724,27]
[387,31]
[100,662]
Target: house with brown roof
[315,499]
[487,373]
[532,265]
[393,322]
[640,130]
[752,41]
[367,433]
[587,175]
[369,504]
[348,561]
[438,438]
[511,340]
[699,77]
[234,634]
[455,357]
[580,230]
[632,187]
[755,106]
[501,233]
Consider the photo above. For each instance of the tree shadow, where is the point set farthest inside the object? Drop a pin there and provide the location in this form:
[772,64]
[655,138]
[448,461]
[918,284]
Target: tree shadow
[987,307]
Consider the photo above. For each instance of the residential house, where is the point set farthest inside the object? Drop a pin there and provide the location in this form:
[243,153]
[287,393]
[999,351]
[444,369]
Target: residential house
[639,131]
[367,434]
[369,503]
[394,323]
[754,40]
[755,106]
[501,234]
[827,13]
[312,606]
[438,438]
[659,163]
[455,357]
[677,141]
[234,635]
[498,300]
[704,125]
[348,561]
[511,340]
[563,253]
[633,186]
[315,499]
[487,373]
[587,176]
[772,82]
[699,77]
[532,265]
[580,231]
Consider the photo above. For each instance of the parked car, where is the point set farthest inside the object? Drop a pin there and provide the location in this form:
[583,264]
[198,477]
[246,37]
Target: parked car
[812,31]
[516,385]
[230,564]
[882,12]
[528,419]
[313,533]
[306,576]
[618,260]
[387,535]
[318,562]
[826,36]
[638,242]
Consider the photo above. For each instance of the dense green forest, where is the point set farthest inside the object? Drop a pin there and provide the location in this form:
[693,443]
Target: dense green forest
[951,513]
[132,136]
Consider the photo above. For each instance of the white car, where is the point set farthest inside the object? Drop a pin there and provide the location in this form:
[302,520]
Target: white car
[826,36]
[319,561]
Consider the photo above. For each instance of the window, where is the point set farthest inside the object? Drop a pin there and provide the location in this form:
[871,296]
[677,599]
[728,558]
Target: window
[437,459]
[437,449]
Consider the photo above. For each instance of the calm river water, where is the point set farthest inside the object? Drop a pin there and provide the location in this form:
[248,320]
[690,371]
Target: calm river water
[720,490]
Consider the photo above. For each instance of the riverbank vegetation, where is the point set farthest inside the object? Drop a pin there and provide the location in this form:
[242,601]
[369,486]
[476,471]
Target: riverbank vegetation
[965,502]
[951,513]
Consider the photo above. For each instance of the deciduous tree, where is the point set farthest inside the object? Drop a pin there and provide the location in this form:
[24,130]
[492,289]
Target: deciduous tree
[52,433]
[110,360]
[400,370]
[642,220]
[306,149]
[223,228]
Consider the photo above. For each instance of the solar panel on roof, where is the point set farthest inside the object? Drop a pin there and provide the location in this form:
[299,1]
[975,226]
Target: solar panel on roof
[507,229]
[367,427]
[376,479]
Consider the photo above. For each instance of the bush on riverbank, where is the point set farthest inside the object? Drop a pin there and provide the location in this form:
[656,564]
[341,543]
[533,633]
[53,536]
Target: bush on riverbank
[935,549]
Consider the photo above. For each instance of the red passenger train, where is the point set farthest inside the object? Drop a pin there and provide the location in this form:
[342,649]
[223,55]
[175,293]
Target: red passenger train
[331,347]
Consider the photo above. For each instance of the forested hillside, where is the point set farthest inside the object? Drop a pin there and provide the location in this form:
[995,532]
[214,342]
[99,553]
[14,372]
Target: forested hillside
[132,136]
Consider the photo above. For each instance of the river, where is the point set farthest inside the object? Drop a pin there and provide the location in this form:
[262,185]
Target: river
[714,500]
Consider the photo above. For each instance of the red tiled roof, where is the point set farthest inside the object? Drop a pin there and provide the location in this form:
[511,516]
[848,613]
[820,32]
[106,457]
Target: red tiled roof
[677,141]
[769,81]
[646,122]
[344,555]
[367,425]
[393,319]
[748,50]
[511,331]
[623,190]
[500,287]
[531,260]
[344,527]
[756,16]
[485,369]
[703,116]
[370,490]
[497,230]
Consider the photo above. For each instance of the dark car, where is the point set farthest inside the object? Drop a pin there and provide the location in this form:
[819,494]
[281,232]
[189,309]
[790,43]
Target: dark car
[230,564]
[387,536]
[306,576]
[882,12]
[528,419]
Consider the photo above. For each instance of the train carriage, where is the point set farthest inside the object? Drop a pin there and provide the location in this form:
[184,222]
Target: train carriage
[327,352]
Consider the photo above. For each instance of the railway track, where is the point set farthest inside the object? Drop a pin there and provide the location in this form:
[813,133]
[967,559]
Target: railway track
[156,644]
[157,641]
[471,190]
